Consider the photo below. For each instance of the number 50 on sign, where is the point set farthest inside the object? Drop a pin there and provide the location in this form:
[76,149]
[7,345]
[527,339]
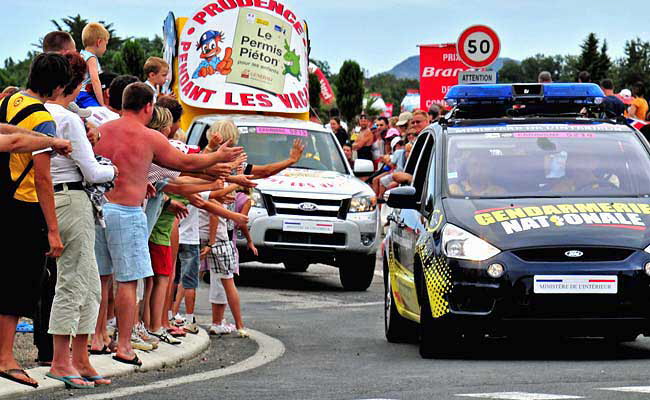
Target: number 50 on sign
[478,46]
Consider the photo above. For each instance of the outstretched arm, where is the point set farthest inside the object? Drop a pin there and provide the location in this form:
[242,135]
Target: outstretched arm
[168,156]
[264,171]
[27,143]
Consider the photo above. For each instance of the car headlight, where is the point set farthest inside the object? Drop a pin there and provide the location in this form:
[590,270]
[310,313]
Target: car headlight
[257,200]
[457,243]
[363,204]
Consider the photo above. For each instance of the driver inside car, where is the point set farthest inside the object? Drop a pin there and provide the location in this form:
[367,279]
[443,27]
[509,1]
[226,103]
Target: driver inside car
[583,175]
[477,179]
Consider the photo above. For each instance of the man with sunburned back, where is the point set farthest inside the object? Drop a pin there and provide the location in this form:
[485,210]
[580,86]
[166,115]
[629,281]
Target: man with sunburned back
[121,247]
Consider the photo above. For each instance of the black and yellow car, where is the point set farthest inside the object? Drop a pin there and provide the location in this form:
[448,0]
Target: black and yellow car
[527,212]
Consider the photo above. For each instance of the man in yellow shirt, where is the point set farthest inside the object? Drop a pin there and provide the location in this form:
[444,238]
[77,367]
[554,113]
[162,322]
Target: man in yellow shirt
[639,107]
[27,199]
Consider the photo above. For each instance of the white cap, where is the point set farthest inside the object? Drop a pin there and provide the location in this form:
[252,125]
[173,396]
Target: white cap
[626,93]
[394,142]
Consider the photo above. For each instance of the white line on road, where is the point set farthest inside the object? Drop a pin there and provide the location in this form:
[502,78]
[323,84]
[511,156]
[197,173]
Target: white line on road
[630,389]
[519,396]
[269,349]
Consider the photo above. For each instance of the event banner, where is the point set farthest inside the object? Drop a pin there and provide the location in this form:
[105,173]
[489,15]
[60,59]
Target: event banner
[439,68]
[326,92]
[244,55]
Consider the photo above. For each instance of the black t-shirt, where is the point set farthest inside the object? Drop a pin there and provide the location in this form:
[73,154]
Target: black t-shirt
[614,105]
[341,136]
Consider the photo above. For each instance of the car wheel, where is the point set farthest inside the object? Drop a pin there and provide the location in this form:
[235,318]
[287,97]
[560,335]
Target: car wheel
[439,337]
[357,273]
[296,266]
[397,328]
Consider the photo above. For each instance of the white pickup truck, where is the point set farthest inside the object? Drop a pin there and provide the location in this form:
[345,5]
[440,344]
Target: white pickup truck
[315,212]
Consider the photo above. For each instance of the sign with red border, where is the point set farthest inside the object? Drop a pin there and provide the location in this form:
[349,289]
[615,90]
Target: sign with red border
[478,46]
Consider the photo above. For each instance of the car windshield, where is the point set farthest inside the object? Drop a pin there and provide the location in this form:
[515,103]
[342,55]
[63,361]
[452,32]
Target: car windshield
[266,145]
[547,164]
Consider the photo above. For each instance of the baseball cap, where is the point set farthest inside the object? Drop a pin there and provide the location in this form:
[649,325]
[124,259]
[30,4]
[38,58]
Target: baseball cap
[392,132]
[404,118]
[625,96]
[394,142]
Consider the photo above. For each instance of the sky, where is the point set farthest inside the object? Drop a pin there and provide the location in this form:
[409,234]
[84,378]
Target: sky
[376,33]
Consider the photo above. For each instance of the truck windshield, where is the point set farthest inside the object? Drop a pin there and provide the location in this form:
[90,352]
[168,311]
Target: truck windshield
[547,164]
[266,145]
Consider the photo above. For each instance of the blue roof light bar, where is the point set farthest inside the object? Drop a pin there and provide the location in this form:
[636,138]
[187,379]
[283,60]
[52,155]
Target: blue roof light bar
[508,94]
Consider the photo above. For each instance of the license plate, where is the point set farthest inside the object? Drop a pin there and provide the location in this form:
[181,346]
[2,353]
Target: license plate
[308,227]
[576,284]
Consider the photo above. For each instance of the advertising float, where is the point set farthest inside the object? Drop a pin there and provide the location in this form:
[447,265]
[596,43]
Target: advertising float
[243,56]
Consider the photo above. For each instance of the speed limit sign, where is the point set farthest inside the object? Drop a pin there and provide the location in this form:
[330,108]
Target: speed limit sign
[478,46]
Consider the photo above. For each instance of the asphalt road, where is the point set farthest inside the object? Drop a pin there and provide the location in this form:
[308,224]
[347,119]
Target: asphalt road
[335,349]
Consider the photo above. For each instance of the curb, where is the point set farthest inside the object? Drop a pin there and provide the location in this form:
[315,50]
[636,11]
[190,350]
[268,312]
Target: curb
[165,355]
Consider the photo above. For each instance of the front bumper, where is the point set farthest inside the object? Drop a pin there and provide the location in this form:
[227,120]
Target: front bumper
[510,302]
[357,234]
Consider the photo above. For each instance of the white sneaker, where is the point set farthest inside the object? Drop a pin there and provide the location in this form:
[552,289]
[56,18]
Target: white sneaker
[219,329]
[179,320]
[144,335]
[139,344]
[163,336]
[243,333]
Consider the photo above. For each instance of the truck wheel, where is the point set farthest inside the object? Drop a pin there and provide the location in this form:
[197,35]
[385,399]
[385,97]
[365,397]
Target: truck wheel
[296,266]
[439,338]
[397,328]
[357,273]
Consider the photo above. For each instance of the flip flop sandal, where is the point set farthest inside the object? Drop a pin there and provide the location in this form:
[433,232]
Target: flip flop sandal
[10,374]
[24,327]
[68,381]
[95,379]
[104,350]
[176,332]
[134,361]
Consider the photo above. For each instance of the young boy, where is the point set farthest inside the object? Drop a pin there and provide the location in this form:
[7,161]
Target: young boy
[95,38]
[156,70]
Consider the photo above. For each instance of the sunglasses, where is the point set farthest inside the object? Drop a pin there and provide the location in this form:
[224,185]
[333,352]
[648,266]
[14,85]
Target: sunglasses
[363,117]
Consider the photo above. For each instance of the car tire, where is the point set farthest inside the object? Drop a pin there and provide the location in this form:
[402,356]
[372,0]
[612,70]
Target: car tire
[296,266]
[439,338]
[396,328]
[356,275]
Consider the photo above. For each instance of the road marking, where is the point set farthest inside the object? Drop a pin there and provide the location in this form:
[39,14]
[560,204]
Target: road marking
[269,350]
[326,304]
[630,389]
[519,396]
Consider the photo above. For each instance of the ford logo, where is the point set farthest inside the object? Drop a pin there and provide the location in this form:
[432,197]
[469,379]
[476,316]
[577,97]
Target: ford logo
[307,206]
[574,253]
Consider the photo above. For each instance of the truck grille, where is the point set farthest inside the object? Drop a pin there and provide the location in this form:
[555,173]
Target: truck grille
[279,236]
[280,205]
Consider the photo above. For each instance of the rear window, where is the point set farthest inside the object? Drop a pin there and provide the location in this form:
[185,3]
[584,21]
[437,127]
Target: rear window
[547,164]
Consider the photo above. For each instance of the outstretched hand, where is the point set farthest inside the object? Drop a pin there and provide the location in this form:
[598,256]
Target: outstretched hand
[178,208]
[242,180]
[62,146]
[228,154]
[296,150]
[219,171]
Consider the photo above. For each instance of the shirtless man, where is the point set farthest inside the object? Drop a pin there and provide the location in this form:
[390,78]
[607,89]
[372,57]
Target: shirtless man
[121,248]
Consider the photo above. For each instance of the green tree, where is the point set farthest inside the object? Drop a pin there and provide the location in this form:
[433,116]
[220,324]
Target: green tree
[635,66]
[75,25]
[350,90]
[134,58]
[593,60]
[532,66]
[314,93]
[511,72]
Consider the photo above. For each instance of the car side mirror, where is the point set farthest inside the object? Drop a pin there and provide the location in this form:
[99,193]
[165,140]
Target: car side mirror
[404,197]
[363,167]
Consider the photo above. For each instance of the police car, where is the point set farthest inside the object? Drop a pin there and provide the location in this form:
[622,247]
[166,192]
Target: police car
[527,212]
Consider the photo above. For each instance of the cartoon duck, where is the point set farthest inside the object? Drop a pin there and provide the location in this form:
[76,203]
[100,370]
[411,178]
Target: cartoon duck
[212,64]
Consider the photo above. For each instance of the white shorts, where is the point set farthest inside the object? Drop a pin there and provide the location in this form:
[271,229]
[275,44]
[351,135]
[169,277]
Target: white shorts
[217,293]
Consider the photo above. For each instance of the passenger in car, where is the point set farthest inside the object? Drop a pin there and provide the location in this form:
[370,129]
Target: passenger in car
[476,179]
[582,175]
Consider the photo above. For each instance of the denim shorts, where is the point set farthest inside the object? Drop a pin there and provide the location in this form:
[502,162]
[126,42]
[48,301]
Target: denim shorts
[122,247]
[188,255]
